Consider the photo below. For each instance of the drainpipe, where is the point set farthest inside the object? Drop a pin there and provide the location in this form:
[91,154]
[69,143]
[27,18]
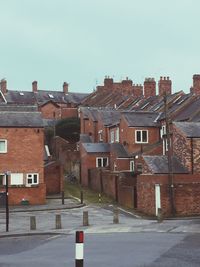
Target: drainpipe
[192,156]
[169,157]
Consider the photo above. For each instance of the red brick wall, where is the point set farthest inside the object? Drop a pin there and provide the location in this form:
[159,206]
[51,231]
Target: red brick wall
[88,161]
[50,111]
[69,113]
[25,151]
[187,150]
[186,194]
[35,195]
[182,147]
[128,134]
[54,179]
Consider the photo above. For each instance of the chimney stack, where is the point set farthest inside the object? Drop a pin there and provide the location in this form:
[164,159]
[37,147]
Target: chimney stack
[108,82]
[149,87]
[4,86]
[196,84]
[34,86]
[164,86]
[65,87]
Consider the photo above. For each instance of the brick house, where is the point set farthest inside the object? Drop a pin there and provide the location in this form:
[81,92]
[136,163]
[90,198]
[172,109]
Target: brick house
[138,130]
[53,104]
[22,154]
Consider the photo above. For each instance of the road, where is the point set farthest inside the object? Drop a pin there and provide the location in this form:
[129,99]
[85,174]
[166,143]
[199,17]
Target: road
[100,250]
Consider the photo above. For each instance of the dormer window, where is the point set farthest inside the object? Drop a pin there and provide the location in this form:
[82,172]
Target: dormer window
[141,136]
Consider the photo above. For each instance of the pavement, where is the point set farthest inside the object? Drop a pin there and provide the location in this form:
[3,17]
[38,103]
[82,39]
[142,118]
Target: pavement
[100,220]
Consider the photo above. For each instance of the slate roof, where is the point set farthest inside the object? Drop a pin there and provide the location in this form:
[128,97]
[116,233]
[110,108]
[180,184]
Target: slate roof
[21,119]
[190,129]
[43,96]
[85,138]
[189,111]
[110,117]
[96,147]
[119,150]
[13,107]
[20,97]
[141,119]
[159,164]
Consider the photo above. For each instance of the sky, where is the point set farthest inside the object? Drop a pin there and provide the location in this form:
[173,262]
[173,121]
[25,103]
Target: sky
[82,41]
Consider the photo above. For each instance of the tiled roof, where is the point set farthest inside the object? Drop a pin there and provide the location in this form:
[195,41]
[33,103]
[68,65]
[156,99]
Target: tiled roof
[85,138]
[159,164]
[43,96]
[20,97]
[143,119]
[20,119]
[109,117]
[13,107]
[96,147]
[190,129]
[119,150]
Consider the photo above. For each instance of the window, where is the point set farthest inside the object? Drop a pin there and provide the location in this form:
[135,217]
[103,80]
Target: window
[2,179]
[117,135]
[163,130]
[16,179]
[3,146]
[101,162]
[112,136]
[100,136]
[132,165]
[32,178]
[141,136]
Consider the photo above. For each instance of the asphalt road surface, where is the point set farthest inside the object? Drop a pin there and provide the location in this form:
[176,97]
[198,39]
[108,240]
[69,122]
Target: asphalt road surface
[103,250]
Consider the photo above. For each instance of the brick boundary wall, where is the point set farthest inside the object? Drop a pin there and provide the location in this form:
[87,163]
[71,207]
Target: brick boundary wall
[186,194]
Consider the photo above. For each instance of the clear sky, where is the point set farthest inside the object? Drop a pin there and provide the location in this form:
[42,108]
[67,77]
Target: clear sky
[81,41]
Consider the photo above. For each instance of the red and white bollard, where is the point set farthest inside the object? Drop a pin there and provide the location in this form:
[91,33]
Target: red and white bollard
[79,249]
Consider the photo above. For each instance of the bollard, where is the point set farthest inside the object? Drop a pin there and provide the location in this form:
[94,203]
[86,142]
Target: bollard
[85,218]
[79,249]
[32,223]
[159,215]
[81,197]
[115,215]
[58,221]
[63,197]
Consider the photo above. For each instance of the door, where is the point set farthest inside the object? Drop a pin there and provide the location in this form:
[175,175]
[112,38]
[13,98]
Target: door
[157,198]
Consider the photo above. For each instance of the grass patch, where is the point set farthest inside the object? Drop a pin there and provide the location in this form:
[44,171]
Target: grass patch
[89,196]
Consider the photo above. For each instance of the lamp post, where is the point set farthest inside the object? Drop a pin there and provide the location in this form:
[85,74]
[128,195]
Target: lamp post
[7,204]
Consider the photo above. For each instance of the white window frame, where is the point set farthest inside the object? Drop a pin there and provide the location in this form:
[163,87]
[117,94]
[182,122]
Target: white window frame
[101,159]
[6,146]
[112,136]
[31,176]
[15,179]
[163,130]
[100,135]
[117,135]
[141,141]
[132,166]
